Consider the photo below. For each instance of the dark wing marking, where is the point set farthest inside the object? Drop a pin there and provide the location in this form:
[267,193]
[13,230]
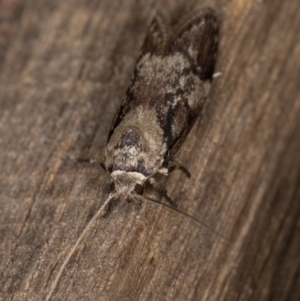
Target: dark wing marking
[196,36]
[157,35]
[155,43]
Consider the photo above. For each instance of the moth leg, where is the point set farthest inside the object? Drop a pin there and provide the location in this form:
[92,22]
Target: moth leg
[86,160]
[135,198]
[176,165]
[217,74]
[164,171]
[91,161]
[162,191]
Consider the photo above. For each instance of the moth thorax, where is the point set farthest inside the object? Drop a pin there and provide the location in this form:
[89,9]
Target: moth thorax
[127,182]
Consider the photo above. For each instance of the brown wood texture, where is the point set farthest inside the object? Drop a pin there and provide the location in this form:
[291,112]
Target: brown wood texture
[64,67]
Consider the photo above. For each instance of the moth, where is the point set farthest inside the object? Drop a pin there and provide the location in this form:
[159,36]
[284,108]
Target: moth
[170,84]
[169,87]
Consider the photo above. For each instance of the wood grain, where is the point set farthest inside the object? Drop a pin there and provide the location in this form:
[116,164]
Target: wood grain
[64,67]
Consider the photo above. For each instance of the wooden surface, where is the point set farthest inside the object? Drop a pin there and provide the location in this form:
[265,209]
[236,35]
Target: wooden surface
[64,67]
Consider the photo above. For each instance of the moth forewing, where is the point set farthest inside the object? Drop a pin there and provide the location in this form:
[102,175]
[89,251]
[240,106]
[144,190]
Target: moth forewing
[157,35]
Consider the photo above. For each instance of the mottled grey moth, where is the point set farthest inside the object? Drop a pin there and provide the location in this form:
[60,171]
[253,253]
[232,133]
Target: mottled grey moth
[170,84]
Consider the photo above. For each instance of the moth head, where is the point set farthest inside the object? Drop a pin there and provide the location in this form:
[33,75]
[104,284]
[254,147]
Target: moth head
[128,183]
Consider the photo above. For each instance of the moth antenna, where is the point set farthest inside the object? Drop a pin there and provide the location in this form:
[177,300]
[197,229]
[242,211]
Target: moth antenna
[79,240]
[183,213]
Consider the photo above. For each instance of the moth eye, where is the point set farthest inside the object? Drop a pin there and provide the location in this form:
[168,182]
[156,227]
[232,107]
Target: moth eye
[139,188]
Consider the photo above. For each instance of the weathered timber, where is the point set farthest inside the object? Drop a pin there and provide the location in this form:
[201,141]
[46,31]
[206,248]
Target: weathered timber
[64,67]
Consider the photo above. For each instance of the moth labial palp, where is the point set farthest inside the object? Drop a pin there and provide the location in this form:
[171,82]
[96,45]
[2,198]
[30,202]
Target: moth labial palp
[169,87]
